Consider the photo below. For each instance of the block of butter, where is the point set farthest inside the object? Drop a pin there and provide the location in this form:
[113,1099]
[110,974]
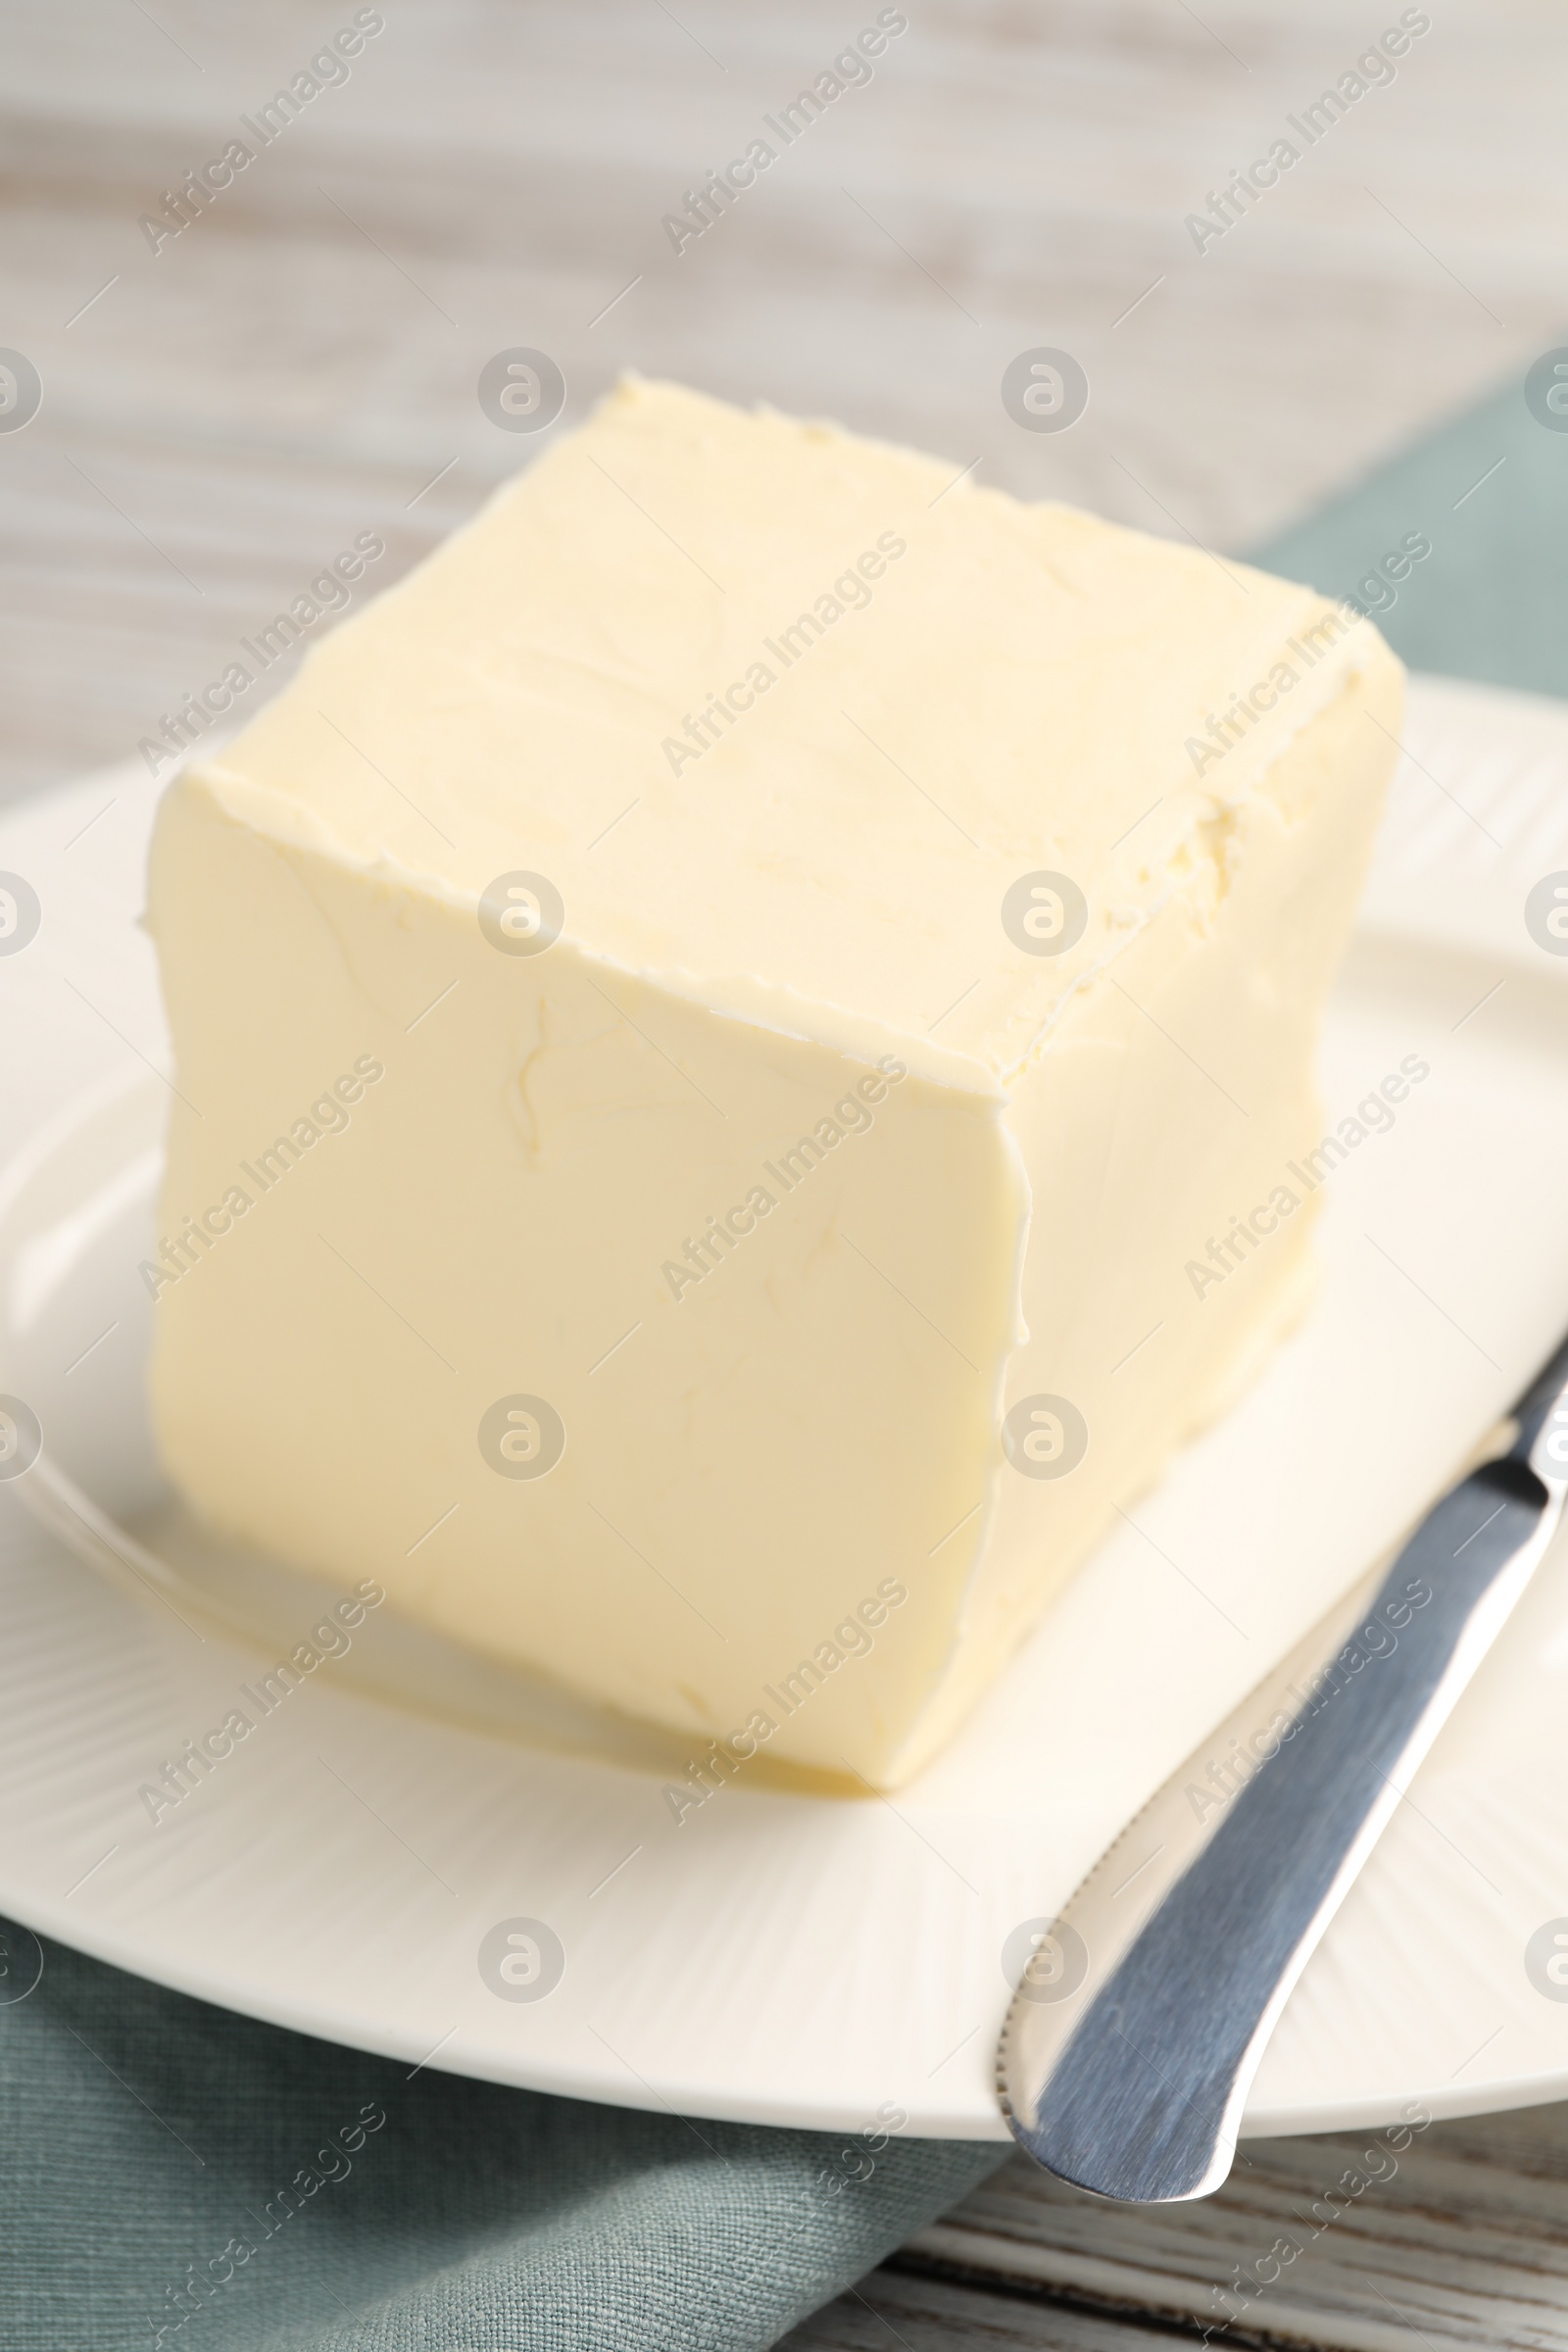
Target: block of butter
[741,1036]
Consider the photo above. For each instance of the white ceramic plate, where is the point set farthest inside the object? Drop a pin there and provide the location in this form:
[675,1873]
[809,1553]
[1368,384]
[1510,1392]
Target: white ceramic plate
[778,1956]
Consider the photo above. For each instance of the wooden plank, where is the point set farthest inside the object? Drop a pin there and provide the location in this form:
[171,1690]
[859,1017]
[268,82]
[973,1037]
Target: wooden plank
[1350,2240]
[1458,2237]
[895,2307]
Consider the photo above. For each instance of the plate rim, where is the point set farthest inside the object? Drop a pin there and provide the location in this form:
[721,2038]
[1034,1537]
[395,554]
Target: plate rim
[117,1945]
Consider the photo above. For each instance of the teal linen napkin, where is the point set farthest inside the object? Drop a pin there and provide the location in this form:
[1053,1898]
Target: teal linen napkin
[172,2175]
[176,2177]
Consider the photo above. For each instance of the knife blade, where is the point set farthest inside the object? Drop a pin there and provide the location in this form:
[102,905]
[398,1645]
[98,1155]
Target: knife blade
[1141,2016]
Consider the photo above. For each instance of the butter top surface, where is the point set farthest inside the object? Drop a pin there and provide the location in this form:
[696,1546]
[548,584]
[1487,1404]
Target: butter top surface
[930,691]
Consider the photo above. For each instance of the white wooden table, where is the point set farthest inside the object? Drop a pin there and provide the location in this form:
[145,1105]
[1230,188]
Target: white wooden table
[300,363]
[1464,2243]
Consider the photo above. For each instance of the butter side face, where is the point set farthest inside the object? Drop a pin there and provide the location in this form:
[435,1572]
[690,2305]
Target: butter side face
[790,1166]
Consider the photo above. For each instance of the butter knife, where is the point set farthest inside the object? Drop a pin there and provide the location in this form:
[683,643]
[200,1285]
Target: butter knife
[1143,2012]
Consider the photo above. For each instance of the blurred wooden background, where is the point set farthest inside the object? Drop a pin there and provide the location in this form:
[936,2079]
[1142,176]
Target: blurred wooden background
[299,362]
